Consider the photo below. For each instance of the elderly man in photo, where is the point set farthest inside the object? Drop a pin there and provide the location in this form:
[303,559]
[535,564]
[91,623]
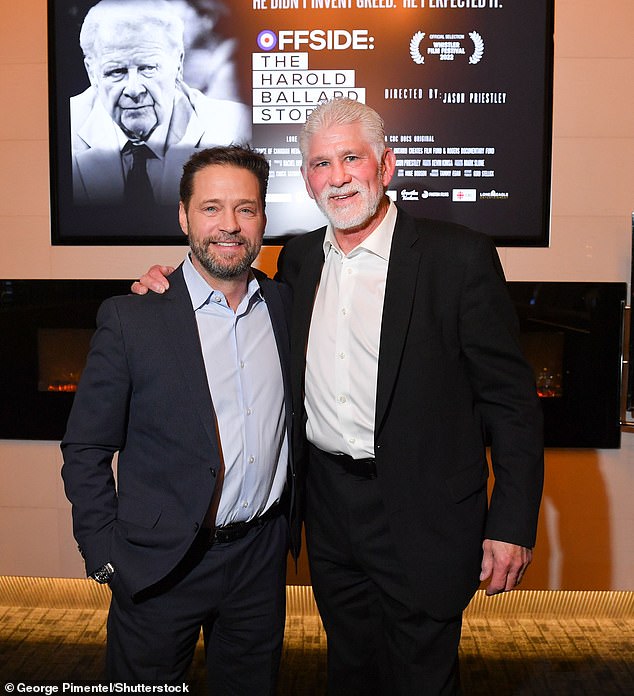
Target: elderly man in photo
[138,122]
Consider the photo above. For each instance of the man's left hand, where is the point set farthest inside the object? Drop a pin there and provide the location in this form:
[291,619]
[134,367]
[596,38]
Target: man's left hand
[504,564]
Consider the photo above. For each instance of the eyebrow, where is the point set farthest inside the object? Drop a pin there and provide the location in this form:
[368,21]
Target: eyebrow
[241,201]
[341,153]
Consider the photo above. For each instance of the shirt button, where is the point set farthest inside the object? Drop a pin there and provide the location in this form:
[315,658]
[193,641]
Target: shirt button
[241,363]
[251,460]
[342,355]
[344,311]
[217,299]
[341,399]
[245,504]
[249,412]
[352,440]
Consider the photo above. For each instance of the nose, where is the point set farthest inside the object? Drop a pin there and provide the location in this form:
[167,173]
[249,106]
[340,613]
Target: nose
[339,175]
[134,87]
[229,222]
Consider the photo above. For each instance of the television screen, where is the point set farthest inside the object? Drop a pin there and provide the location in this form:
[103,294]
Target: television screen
[571,334]
[464,88]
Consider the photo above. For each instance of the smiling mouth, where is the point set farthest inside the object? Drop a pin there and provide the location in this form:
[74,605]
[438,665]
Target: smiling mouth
[342,196]
[227,245]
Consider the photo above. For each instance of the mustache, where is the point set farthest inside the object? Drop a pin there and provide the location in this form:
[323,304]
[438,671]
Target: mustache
[339,191]
[236,238]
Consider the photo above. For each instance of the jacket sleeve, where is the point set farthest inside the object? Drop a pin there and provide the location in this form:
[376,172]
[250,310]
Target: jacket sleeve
[96,429]
[506,398]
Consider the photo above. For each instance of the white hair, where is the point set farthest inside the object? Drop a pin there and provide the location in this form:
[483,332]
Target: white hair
[344,112]
[131,14]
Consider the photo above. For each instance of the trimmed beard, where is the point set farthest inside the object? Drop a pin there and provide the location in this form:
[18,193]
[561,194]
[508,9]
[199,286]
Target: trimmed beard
[229,268]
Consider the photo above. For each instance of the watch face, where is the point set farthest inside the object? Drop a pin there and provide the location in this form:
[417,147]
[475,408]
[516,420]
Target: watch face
[104,574]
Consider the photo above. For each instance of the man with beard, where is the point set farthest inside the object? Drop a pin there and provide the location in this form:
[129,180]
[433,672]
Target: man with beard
[138,122]
[406,360]
[405,364]
[191,390]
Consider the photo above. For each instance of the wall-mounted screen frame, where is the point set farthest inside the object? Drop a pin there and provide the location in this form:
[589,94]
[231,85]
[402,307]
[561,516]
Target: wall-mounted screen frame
[572,334]
[465,89]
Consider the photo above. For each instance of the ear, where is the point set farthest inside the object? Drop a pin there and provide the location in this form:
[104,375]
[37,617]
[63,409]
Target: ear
[182,217]
[305,177]
[90,72]
[265,221]
[388,166]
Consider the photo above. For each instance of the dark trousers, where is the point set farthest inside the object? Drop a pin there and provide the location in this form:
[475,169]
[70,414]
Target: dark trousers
[378,641]
[235,592]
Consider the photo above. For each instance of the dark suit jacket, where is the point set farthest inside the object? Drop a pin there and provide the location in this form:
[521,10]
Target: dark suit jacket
[144,394]
[451,377]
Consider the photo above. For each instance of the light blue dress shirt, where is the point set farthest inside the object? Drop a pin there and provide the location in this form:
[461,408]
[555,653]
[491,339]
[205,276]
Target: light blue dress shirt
[245,382]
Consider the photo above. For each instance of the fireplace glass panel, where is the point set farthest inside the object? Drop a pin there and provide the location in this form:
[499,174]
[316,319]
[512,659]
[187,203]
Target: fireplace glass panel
[61,358]
[571,334]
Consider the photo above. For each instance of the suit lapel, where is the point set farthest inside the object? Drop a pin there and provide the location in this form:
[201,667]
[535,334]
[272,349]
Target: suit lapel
[182,334]
[402,276]
[101,174]
[304,291]
[100,161]
[277,312]
[279,321]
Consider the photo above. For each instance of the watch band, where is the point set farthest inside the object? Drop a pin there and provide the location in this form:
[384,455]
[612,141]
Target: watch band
[104,574]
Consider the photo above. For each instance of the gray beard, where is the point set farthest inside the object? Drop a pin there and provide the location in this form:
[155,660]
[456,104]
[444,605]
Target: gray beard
[348,220]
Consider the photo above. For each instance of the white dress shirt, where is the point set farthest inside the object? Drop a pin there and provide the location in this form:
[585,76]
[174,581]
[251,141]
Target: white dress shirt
[343,343]
[245,382]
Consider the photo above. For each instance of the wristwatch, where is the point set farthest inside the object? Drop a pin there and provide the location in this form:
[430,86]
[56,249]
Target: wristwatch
[104,574]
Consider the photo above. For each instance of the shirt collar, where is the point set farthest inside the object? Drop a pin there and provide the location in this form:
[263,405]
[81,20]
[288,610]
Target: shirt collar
[379,242]
[200,292]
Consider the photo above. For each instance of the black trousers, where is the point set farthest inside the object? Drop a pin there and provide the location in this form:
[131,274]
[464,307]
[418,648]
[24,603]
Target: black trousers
[236,592]
[378,641]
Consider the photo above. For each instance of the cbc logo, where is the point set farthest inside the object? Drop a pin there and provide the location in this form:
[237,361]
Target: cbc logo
[267,40]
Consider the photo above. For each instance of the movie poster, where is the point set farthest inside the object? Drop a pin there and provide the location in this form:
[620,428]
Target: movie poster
[464,88]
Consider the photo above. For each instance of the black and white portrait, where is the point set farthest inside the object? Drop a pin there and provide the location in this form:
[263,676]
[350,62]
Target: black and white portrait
[148,107]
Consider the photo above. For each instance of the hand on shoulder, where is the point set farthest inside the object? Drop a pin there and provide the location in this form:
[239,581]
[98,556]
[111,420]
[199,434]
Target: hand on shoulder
[155,279]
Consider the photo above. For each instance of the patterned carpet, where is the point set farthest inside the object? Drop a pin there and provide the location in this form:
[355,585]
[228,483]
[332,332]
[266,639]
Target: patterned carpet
[523,644]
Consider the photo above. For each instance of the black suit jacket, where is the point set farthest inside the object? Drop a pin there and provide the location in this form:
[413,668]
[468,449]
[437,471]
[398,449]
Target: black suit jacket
[144,394]
[451,377]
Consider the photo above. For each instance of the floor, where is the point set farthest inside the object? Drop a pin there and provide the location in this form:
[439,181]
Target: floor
[532,643]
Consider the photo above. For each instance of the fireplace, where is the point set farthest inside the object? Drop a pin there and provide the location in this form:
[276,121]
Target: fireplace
[571,334]
[45,330]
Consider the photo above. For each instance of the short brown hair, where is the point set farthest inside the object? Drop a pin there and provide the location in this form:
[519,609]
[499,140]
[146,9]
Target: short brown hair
[241,156]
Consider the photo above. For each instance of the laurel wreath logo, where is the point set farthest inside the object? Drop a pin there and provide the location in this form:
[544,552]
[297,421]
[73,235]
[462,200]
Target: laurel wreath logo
[478,43]
[414,47]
